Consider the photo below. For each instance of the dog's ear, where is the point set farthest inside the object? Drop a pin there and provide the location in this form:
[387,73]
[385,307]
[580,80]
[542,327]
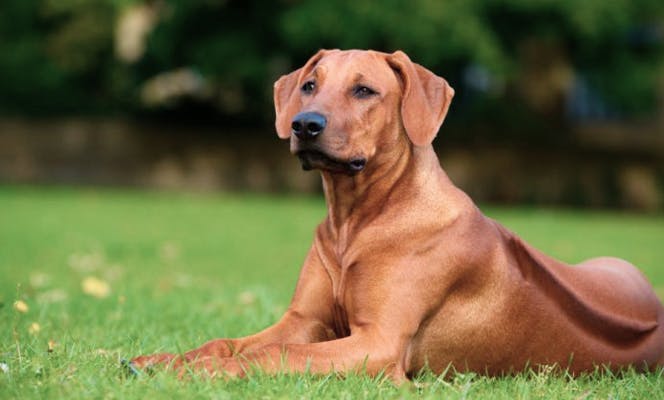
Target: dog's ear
[286,96]
[425,100]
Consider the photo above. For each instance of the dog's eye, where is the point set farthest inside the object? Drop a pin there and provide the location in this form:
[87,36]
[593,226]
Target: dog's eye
[308,87]
[362,92]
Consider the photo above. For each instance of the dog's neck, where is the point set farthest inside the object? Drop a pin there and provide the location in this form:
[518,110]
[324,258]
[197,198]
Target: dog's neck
[364,196]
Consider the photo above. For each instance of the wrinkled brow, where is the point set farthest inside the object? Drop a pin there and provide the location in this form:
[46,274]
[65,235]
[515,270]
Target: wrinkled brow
[365,79]
[359,77]
[319,72]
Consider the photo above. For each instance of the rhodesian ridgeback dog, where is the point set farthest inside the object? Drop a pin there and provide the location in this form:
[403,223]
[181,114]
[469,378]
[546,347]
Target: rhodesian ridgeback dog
[405,272]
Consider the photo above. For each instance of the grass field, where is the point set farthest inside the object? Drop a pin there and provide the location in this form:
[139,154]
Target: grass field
[88,277]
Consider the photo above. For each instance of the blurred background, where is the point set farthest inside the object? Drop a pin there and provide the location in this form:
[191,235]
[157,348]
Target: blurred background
[557,102]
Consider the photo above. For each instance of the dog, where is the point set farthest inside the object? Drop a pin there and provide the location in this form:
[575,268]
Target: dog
[405,272]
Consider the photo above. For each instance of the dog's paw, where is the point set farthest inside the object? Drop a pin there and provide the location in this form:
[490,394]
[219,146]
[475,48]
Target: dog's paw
[202,366]
[212,367]
[147,363]
[129,368]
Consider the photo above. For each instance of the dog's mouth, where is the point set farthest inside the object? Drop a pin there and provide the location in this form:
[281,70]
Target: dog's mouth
[316,159]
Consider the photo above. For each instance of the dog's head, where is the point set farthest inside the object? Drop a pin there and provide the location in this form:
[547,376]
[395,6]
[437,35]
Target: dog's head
[343,108]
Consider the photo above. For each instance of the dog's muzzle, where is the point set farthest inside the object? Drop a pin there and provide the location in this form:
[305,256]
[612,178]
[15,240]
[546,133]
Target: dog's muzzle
[306,127]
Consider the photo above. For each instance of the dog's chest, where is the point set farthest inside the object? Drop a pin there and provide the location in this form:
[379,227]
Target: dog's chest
[341,326]
[339,310]
[339,282]
[340,261]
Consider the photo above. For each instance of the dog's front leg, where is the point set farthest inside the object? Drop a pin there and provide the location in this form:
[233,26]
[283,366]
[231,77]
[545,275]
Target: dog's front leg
[307,320]
[367,351]
[291,328]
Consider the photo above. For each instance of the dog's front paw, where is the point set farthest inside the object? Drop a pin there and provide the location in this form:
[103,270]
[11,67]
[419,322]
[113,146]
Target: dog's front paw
[146,363]
[212,367]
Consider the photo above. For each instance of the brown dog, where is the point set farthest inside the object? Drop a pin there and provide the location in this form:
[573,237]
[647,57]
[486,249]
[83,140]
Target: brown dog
[405,272]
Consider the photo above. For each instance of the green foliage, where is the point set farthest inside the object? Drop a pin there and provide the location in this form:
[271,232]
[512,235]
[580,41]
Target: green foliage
[186,268]
[53,54]
[432,32]
[57,55]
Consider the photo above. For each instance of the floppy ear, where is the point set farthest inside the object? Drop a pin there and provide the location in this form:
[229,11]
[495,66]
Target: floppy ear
[286,91]
[425,100]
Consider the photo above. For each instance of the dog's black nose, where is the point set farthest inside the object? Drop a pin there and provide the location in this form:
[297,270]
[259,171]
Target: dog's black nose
[308,125]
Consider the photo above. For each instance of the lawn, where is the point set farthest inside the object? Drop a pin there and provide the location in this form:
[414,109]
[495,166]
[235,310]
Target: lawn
[88,277]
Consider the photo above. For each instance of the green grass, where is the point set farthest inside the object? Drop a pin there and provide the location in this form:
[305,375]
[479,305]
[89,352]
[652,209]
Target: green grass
[185,268]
